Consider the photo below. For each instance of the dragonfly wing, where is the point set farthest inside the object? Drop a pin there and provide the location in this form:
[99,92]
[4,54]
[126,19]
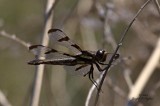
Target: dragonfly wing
[78,69]
[59,37]
[48,52]
[36,49]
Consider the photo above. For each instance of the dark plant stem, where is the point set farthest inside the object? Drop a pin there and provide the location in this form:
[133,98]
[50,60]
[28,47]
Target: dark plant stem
[117,48]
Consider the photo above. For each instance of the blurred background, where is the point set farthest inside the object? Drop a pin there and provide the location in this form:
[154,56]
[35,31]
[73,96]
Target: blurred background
[92,25]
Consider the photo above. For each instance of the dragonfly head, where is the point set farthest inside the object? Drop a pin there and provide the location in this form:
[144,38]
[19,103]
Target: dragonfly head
[101,55]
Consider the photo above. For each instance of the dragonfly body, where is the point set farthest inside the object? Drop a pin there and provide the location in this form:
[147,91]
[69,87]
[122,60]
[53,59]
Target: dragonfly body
[65,61]
[84,58]
[79,59]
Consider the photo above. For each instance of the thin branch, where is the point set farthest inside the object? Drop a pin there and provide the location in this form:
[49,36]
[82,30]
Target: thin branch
[144,33]
[110,39]
[135,17]
[90,93]
[40,68]
[128,78]
[115,88]
[118,46]
[108,35]
[157,5]
[14,38]
[3,100]
[107,31]
[146,72]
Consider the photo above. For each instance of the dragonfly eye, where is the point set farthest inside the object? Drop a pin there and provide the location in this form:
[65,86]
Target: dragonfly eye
[101,55]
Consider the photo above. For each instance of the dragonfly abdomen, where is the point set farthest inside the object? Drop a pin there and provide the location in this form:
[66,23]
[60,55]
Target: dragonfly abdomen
[67,61]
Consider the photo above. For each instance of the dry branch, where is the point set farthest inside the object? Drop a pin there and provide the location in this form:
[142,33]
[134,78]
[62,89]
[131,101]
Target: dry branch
[117,48]
[146,72]
[3,100]
[14,38]
[40,68]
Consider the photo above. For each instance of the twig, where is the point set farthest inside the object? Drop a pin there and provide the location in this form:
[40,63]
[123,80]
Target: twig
[90,93]
[110,39]
[14,38]
[146,72]
[40,68]
[107,31]
[3,100]
[157,5]
[128,78]
[144,33]
[118,46]
[115,88]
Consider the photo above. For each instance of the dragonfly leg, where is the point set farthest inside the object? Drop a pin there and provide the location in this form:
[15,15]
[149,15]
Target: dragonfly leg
[103,63]
[86,74]
[98,67]
[91,77]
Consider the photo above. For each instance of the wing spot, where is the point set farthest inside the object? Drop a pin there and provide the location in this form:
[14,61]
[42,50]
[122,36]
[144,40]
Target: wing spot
[51,51]
[54,30]
[34,46]
[77,47]
[63,39]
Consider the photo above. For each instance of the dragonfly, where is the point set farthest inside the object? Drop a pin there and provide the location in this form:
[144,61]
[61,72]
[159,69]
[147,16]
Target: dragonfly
[81,61]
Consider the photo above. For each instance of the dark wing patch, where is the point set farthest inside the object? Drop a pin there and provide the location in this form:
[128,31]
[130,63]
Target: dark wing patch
[48,52]
[59,37]
[53,30]
[36,49]
[77,47]
[63,39]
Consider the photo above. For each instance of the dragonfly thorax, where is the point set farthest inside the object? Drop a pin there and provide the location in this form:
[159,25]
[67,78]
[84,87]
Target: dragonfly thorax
[101,55]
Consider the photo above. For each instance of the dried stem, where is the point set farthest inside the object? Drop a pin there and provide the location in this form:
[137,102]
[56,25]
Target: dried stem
[90,93]
[3,100]
[118,46]
[128,78]
[116,89]
[107,31]
[157,5]
[40,68]
[146,72]
[14,38]
[107,34]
